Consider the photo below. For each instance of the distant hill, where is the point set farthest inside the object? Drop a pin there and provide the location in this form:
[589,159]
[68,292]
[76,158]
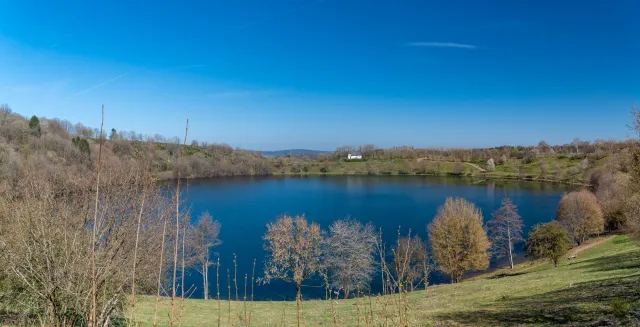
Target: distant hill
[291,152]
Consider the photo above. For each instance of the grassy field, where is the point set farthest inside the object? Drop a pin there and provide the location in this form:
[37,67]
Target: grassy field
[601,287]
[376,167]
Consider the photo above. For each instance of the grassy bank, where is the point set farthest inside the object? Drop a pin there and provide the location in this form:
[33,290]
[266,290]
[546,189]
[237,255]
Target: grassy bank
[548,169]
[599,287]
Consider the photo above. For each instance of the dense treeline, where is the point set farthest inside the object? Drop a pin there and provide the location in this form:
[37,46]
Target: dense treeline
[578,162]
[599,148]
[54,141]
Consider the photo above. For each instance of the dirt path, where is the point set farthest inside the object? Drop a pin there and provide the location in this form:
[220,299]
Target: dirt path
[573,252]
[466,163]
[475,166]
[579,249]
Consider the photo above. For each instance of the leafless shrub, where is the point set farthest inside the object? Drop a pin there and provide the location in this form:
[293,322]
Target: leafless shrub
[349,255]
[633,216]
[411,262]
[44,235]
[491,166]
[201,238]
[9,164]
[581,214]
[293,252]
[614,193]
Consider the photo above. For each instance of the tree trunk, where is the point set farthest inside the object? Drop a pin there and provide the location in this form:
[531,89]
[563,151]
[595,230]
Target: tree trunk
[205,279]
[298,298]
[510,247]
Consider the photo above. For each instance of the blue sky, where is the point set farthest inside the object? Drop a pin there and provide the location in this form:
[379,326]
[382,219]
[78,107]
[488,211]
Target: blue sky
[321,73]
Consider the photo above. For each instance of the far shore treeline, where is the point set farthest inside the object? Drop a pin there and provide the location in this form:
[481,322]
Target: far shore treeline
[579,161]
[84,227]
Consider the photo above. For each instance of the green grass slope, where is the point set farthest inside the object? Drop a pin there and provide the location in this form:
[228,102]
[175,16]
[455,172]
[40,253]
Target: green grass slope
[601,287]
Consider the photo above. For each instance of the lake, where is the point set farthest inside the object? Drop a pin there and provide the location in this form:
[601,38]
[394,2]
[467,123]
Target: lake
[244,205]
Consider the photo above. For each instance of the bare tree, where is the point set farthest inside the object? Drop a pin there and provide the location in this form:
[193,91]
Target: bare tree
[293,252]
[491,166]
[349,255]
[584,164]
[411,262]
[614,194]
[543,169]
[177,226]
[576,144]
[200,240]
[458,240]
[505,230]
[581,214]
[366,150]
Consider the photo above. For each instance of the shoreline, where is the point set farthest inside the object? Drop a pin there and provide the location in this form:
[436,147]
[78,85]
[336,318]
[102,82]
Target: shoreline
[314,174]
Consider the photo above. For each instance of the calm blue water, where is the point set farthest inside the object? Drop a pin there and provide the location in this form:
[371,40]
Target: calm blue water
[244,205]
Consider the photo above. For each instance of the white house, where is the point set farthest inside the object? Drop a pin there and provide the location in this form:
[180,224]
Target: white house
[354,156]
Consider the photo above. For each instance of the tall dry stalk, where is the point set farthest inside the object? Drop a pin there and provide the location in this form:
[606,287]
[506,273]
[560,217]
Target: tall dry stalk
[135,250]
[284,314]
[155,311]
[229,297]
[366,315]
[330,299]
[92,318]
[380,246]
[175,249]
[253,277]
[235,281]
[244,301]
[218,289]
[184,237]
[358,306]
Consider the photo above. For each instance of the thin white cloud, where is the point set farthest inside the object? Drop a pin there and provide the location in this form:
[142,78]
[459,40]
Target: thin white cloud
[97,85]
[103,83]
[441,45]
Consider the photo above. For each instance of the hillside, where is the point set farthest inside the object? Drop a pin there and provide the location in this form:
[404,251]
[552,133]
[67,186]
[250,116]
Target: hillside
[291,152]
[59,142]
[601,287]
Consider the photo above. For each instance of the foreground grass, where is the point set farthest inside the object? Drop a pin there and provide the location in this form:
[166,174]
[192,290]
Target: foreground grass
[601,287]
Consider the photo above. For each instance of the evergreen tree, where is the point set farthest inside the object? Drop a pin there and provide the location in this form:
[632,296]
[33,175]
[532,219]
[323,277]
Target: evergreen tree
[34,125]
[114,134]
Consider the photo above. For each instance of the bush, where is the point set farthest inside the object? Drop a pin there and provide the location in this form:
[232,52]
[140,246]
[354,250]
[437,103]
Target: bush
[491,166]
[548,241]
[528,158]
[581,214]
[620,308]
